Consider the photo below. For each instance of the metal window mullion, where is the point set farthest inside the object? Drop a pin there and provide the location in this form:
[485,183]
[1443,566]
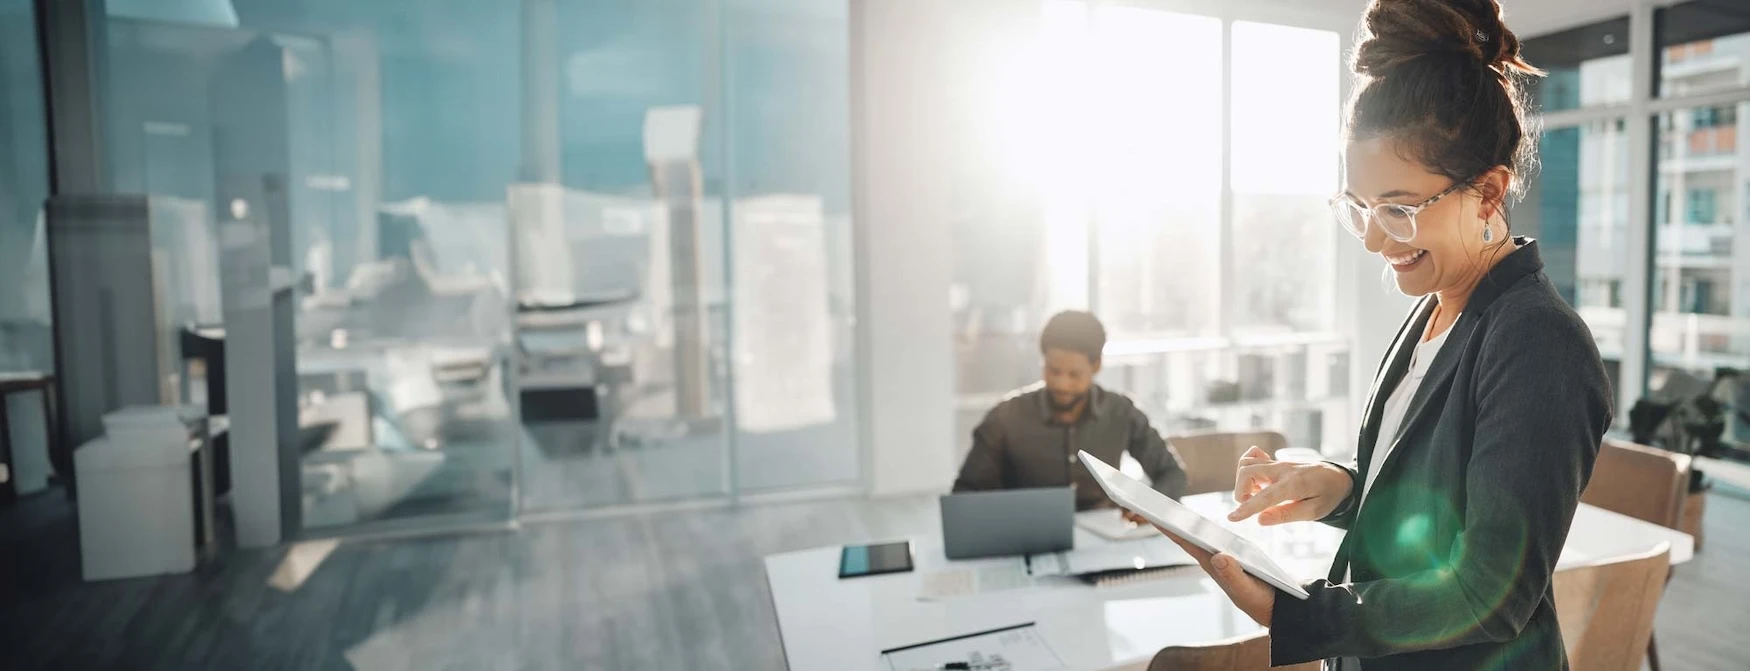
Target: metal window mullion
[1225,208]
[1711,99]
[1091,220]
[1585,115]
[1638,275]
[718,93]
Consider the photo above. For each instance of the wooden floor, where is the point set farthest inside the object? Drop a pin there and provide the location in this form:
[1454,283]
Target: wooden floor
[673,590]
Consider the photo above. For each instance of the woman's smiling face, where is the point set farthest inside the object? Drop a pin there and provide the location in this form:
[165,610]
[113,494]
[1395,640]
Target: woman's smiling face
[1445,251]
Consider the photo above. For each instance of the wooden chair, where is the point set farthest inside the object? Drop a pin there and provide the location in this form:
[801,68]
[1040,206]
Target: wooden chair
[1211,459]
[1646,483]
[1606,610]
[1244,653]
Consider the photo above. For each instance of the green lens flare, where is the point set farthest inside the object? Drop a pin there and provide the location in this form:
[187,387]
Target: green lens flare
[1426,540]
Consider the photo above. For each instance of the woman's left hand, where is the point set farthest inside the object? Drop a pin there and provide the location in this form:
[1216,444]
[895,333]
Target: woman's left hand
[1254,597]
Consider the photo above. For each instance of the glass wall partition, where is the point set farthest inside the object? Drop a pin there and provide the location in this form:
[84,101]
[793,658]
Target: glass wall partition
[26,336]
[622,308]
[378,140]
[547,254]
[786,84]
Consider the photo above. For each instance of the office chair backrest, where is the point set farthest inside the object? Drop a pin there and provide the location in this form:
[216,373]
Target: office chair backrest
[1235,654]
[1642,482]
[1606,610]
[1211,459]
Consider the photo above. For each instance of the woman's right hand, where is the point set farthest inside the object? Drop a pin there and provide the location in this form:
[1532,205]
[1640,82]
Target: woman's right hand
[1286,491]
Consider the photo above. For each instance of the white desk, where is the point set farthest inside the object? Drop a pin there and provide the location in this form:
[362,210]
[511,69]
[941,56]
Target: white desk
[827,623]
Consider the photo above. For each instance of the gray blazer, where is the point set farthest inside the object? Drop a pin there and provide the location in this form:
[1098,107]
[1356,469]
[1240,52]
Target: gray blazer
[1453,551]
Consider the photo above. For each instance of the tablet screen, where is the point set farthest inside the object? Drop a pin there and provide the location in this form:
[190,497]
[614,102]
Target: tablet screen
[861,560]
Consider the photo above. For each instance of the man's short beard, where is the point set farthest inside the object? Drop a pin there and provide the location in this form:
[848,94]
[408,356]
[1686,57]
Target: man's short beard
[1066,407]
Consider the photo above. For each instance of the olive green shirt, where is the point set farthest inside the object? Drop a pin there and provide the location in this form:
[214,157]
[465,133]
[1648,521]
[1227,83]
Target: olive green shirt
[1020,443]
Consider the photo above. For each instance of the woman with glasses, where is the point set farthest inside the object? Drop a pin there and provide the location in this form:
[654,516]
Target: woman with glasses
[1489,408]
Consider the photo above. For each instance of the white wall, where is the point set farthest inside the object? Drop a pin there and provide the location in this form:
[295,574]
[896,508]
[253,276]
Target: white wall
[900,95]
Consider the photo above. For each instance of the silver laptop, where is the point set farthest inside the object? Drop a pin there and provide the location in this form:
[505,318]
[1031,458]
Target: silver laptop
[1008,522]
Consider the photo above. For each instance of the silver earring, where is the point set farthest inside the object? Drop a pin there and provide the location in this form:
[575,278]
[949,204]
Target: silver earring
[1488,233]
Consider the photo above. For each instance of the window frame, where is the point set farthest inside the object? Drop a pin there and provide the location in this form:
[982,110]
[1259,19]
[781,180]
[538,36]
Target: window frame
[1644,112]
[1228,14]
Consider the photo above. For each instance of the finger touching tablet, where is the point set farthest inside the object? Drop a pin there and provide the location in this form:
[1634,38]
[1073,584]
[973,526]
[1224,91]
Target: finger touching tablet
[1201,531]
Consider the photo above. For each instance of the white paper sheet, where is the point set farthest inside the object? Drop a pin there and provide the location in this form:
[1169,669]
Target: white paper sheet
[1015,649]
[961,582]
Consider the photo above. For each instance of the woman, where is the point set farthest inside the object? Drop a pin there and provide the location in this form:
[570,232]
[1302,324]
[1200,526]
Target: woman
[1488,410]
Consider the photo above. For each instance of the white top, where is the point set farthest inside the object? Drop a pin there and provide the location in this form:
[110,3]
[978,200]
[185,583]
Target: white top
[1398,404]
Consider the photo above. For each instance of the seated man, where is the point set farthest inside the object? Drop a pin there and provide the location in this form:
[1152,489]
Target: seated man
[1032,437]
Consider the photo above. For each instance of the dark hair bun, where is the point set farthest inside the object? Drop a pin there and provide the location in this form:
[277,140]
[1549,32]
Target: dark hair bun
[1444,80]
[1398,32]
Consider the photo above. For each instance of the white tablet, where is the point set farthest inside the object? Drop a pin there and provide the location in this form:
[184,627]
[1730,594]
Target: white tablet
[1143,500]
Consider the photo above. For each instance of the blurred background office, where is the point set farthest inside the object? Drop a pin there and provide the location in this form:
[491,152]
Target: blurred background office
[522,280]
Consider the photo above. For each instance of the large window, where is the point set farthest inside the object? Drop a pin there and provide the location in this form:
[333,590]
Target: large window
[1701,317]
[1155,188]
[1284,171]
[1587,66]
[1701,300]
[1195,226]
[1578,209]
[1601,210]
[1704,48]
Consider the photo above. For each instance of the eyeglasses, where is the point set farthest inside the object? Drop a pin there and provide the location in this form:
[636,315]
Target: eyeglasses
[1396,220]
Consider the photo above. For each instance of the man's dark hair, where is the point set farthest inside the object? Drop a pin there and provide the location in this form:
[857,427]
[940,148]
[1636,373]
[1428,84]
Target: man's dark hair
[1074,331]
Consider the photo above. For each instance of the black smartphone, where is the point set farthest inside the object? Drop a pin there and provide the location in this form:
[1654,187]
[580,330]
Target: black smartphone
[857,561]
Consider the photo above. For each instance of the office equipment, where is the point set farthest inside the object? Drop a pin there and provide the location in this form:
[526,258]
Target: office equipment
[1014,648]
[260,362]
[1188,525]
[146,507]
[1010,522]
[116,297]
[26,443]
[671,149]
[856,561]
[827,623]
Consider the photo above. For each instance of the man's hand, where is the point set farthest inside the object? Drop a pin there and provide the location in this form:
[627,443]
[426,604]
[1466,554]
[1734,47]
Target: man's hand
[1286,491]
[1254,597]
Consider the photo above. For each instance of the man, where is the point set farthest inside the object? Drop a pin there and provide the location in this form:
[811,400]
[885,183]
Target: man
[1032,437]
